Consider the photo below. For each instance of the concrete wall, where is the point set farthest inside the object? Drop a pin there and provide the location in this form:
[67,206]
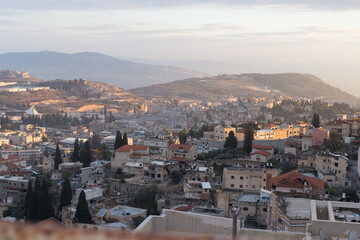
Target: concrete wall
[192,223]
[197,223]
[336,229]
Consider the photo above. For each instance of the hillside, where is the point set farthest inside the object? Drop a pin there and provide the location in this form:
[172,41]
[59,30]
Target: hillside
[16,76]
[75,96]
[94,66]
[247,85]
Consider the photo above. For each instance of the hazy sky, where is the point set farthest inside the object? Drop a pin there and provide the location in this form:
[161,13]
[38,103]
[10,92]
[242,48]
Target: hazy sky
[318,36]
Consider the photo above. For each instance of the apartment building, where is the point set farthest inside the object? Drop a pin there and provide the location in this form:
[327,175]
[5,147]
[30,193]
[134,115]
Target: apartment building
[13,190]
[159,170]
[130,153]
[221,133]
[157,146]
[26,154]
[197,190]
[331,168]
[253,179]
[182,153]
[343,128]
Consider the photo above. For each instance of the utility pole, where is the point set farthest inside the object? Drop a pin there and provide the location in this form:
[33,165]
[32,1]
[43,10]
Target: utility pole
[235,217]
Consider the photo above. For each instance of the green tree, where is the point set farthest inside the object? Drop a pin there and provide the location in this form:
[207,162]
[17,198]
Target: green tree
[35,200]
[315,120]
[249,137]
[183,136]
[146,199]
[118,140]
[104,152]
[58,159]
[66,194]
[45,209]
[82,214]
[85,155]
[75,154]
[334,142]
[231,141]
[125,140]
[175,176]
[28,201]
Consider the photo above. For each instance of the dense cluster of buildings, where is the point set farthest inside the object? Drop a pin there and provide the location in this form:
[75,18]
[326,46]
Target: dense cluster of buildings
[284,184]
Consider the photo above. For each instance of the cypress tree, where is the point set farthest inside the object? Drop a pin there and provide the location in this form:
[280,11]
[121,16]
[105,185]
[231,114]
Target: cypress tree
[125,140]
[316,120]
[82,214]
[75,154]
[58,159]
[231,141]
[85,155]
[118,140]
[45,209]
[66,194]
[28,201]
[249,137]
[35,200]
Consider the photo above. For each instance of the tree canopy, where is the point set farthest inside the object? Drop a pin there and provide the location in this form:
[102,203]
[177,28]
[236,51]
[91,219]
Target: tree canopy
[45,209]
[183,136]
[315,120]
[58,159]
[175,176]
[85,155]
[231,141]
[118,140]
[82,214]
[249,137]
[75,154]
[66,194]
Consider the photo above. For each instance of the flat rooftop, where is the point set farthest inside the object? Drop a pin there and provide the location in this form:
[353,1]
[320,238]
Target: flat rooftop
[125,211]
[298,208]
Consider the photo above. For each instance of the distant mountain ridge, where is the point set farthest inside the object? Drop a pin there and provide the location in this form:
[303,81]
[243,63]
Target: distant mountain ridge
[247,85]
[48,65]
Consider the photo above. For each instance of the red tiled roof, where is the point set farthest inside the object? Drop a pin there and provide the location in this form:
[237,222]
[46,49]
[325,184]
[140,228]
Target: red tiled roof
[205,196]
[265,147]
[179,159]
[181,146]
[261,152]
[185,208]
[128,148]
[335,123]
[323,129]
[294,179]
[290,144]
[9,157]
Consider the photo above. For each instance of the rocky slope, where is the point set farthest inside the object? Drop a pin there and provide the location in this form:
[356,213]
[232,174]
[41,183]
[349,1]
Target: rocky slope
[247,85]
[75,96]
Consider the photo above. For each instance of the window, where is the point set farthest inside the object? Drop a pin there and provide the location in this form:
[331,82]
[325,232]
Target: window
[232,177]
[241,186]
[246,209]
[232,185]
[241,178]
[336,164]
[253,186]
